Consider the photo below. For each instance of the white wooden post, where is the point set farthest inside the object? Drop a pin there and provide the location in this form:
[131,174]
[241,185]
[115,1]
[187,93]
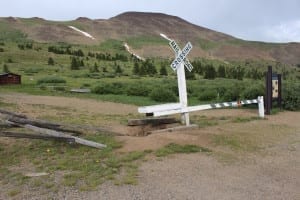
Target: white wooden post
[261,109]
[185,118]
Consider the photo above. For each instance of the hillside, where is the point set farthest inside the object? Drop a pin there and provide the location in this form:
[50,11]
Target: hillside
[141,31]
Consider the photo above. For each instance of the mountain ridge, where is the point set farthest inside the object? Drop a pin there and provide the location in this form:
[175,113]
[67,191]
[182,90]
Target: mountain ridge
[144,29]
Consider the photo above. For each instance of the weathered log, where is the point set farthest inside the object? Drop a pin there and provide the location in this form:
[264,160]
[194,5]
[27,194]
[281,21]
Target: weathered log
[152,121]
[43,124]
[12,114]
[35,136]
[60,134]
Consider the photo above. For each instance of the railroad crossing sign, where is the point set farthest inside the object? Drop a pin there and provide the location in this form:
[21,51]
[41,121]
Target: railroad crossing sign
[181,55]
[182,107]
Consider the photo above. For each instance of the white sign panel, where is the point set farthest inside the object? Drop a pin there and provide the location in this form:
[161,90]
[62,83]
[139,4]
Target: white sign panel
[181,55]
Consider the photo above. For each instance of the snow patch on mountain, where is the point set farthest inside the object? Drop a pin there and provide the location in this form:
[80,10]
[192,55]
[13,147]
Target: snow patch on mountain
[132,53]
[82,32]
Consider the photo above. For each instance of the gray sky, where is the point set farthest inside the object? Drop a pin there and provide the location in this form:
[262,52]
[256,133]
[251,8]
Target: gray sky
[260,20]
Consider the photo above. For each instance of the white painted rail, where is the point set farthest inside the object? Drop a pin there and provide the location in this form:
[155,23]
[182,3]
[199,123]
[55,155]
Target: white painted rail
[161,107]
[162,110]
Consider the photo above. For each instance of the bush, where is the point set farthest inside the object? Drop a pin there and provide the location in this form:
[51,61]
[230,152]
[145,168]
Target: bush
[231,94]
[59,88]
[163,95]
[109,88]
[253,92]
[138,89]
[51,79]
[291,96]
[207,95]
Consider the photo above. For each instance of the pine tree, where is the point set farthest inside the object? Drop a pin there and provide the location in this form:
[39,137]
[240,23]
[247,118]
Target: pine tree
[221,71]
[118,70]
[210,72]
[143,70]
[163,70]
[5,68]
[74,64]
[136,68]
[50,61]
[96,68]
[190,75]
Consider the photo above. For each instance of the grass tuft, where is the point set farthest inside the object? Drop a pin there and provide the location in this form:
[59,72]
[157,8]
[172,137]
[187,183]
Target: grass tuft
[173,148]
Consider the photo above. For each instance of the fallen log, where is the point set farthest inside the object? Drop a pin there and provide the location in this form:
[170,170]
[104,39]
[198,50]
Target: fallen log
[43,124]
[17,120]
[60,134]
[35,136]
[12,114]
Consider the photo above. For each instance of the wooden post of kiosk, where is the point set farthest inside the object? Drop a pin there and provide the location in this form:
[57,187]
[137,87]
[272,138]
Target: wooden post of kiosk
[269,91]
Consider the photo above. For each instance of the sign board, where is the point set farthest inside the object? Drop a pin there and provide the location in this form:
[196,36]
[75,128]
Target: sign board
[274,86]
[181,55]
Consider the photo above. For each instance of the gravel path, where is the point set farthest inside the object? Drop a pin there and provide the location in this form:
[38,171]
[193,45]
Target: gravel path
[199,176]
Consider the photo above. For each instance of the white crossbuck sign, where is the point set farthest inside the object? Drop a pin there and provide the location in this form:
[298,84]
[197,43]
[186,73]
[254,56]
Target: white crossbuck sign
[182,107]
[181,55]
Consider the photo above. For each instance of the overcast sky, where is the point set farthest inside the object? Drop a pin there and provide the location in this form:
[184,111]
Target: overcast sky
[259,20]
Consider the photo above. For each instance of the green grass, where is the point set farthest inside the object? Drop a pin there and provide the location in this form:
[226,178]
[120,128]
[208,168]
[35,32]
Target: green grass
[207,44]
[173,148]
[244,119]
[139,41]
[80,166]
[232,141]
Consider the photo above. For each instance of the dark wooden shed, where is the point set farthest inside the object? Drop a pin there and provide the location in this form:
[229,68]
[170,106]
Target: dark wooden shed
[10,78]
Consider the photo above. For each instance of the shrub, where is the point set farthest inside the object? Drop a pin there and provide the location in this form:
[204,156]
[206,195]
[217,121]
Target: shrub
[138,89]
[51,79]
[59,88]
[253,92]
[291,96]
[232,94]
[109,88]
[163,95]
[207,95]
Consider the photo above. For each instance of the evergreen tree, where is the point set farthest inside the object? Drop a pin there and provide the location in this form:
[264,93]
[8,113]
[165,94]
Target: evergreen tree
[197,67]
[143,70]
[5,68]
[118,70]
[81,63]
[163,70]
[95,69]
[189,75]
[221,71]
[50,61]
[210,72]
[150,67]
[136,68]
[74,64]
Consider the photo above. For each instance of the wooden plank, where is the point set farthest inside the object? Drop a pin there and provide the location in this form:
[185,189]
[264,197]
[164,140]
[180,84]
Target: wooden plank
[60,134]
[152,121]
[161,107]
[35,136]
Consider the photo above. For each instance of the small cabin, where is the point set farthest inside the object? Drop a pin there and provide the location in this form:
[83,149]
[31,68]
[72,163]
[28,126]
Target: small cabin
[10,78]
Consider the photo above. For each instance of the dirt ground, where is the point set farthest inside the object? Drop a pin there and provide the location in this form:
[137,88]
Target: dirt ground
[268,169]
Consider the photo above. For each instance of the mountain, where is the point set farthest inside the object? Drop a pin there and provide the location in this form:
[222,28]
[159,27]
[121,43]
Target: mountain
[141,31]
